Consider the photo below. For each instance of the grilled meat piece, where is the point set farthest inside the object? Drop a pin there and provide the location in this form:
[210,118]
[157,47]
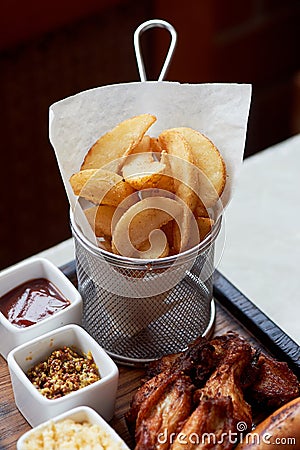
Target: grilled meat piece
[166,408]
[220,343]
[226,379]
[201,390]
[141,396]
[275,385]
[208,426]
[161,365]
[251,374]
[197,362]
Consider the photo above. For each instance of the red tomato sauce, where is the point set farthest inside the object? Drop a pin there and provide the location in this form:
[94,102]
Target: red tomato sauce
[31,302]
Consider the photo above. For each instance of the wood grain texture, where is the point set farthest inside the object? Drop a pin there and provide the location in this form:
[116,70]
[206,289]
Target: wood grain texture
[233,312]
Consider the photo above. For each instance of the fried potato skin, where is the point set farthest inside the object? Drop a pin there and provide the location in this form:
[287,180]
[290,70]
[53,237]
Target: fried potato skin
[100,186]
[205,225]
[100,219]
[185,181]
[140,220]
[176,145]
[208,160]
[118,142]
[141,171]
[143,146]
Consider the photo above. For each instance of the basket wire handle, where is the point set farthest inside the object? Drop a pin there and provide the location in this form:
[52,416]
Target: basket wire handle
[137,47]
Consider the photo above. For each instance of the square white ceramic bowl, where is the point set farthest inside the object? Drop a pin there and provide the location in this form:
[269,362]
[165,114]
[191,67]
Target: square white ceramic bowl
[79,414]
[35,407]
[12,336]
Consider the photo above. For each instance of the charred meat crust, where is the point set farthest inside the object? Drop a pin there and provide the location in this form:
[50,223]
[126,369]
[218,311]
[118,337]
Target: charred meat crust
[208,388]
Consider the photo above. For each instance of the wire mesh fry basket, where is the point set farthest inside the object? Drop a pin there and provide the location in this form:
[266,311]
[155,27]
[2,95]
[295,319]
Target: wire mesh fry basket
[139,310]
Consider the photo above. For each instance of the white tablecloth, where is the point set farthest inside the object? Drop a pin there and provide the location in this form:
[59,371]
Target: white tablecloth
[262,234]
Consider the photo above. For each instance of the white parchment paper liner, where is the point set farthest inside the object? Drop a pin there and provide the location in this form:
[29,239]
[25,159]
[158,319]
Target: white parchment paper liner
[220,111]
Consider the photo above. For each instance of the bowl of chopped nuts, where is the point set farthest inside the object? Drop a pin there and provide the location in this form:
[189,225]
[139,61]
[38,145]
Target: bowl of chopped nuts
[79,427]
[61,370]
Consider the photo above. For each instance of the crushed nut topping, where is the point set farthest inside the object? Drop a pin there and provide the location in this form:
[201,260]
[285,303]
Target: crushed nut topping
[64,371]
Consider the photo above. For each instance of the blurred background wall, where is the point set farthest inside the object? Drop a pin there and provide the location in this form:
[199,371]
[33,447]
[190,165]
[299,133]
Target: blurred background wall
[49,51]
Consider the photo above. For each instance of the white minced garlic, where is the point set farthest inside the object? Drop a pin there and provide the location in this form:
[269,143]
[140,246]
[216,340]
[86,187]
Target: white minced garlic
[70,435]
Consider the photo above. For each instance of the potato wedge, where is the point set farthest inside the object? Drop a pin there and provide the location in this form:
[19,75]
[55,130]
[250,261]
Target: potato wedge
[185,181]
[209,161]
[118,142]
[168,230]
[136,224]
[143,146]
[104,242]
[155,146]
[100,219]
[141,171]
[185,184]
[100,186]
[124,174]
[182,240]
[149,248]
[200,210]
[167,181]
[177,246]
[205,225]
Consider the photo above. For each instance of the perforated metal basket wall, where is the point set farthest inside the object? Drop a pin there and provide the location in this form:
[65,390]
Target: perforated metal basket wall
[139,310]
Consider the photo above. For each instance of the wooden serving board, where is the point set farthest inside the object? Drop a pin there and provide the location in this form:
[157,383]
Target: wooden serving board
[233,312]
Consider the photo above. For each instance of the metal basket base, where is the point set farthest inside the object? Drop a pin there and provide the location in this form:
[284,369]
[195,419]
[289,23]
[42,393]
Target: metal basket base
[135,342]
[172,332]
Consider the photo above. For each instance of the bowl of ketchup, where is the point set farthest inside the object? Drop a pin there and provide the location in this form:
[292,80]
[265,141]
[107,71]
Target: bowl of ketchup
[35,298]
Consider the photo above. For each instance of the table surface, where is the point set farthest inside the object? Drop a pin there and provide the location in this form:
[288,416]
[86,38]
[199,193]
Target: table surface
[13,424]
[259,247]
[262,248]
[261,257]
